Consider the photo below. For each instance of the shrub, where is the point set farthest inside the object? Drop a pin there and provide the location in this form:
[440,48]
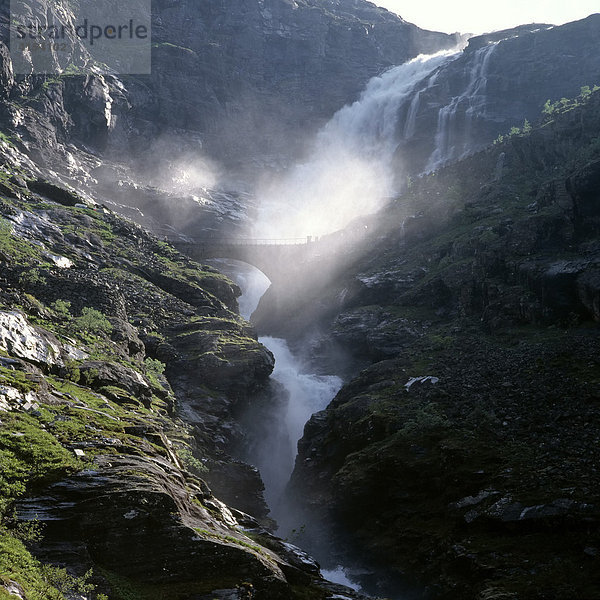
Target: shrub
[93,321]
[61,308]
[190,461]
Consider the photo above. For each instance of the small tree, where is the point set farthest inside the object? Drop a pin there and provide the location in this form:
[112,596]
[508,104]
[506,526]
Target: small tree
[514,131]
[93,321]
[61,308]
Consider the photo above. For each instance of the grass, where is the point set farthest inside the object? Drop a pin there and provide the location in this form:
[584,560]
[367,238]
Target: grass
[18,380]
[20,251]
[29,457]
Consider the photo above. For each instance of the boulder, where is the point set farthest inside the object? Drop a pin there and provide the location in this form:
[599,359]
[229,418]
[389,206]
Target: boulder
[134,516]
[101,374]
[54,192]
[20,339]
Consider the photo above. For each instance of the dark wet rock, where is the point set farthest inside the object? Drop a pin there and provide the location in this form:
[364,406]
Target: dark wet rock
[127,336]
[100,374]
[375,332]
[482,455]
[134,517]
[240,486]
[54,192]
[588,284]
[583,188]
[227,357]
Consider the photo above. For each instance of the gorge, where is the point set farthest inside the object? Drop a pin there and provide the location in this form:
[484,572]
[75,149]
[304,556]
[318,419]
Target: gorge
[429,334]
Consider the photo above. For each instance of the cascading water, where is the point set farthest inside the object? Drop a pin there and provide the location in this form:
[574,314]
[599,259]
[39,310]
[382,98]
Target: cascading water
[453,138]
[307,394]
[411,118]
[351,169]
[348,174]
[303,394]
[370,125]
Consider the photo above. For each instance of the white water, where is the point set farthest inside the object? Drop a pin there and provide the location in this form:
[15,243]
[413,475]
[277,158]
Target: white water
[305,393]
[338,575]
[453,139]
[349,171]
[308,394]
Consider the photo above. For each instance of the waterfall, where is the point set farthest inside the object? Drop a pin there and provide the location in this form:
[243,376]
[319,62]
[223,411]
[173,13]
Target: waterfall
[307,394]
[349,171]
[370,125]
[415,104]
[453,139]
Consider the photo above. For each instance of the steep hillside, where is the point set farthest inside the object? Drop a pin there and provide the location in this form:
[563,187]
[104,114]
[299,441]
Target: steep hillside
[122,366]
[465,457]
[500,80]
[257,71]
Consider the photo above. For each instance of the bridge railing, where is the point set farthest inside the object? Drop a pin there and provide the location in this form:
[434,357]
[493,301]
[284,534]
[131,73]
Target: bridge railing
[246,242]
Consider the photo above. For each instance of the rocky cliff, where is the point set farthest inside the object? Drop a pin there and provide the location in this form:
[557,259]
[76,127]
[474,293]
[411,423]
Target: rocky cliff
[464,459]
[498,82]
[460,463]
[237,83]
[252,77]
[122,367]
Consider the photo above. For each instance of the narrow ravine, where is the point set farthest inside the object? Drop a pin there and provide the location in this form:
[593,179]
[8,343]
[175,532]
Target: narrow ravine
[307,394]
[351,169]
[300,395]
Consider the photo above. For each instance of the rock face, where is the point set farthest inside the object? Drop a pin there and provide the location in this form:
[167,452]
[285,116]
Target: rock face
[134,516]
[499,81]
[121,375]
[462,457]
[252,79]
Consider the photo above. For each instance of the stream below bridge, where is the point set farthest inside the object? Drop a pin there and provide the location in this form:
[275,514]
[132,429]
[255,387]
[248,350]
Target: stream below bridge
[304,393]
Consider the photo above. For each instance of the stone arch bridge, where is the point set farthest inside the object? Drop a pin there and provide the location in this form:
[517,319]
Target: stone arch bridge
[274,257]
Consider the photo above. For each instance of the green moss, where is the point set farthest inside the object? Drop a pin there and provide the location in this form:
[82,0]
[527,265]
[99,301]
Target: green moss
[19,251]
[39,581]
[234,540]
[17,564]
[43,456]
[17,379]
[190,461]
[169,45]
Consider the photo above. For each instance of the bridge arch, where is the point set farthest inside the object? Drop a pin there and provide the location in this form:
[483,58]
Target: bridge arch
[275,258]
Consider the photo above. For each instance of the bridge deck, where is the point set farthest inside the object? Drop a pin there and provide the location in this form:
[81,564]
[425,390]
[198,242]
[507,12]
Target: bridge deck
[242,241]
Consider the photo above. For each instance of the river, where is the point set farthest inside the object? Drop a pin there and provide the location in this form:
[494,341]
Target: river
[302,393]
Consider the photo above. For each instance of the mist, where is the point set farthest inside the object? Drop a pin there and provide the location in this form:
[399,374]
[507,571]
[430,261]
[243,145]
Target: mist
[351,167]
[180,168]
[306,394]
